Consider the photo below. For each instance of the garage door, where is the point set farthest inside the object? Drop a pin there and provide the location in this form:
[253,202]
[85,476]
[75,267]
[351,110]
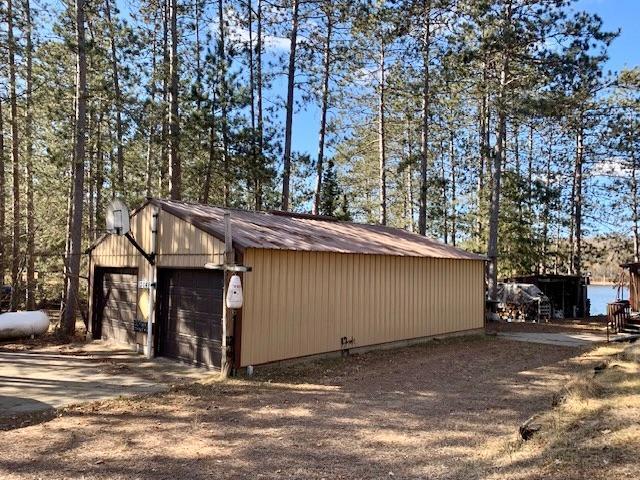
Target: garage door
[117,306]
[190,327]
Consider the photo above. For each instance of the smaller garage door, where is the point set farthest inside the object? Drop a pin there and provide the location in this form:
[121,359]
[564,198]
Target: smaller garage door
[191,316]
[117,304]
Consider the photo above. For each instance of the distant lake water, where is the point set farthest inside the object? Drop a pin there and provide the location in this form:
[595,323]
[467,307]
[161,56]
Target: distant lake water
[600,295]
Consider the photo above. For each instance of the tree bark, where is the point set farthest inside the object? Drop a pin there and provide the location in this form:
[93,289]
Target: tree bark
[499,157]
[99,173]
[499,154]
[518,169]
[255,156]
[424,144]
[323,111]
[3,198]
[164,129]
[259,105]
[382,158]
[286,172]
[115,76]
[635,210]
[206,185]
[28,137]
[530,172]
[15,149]
[91,151]
[175,168]
[67,326]
[445,200]
[576,261]
[151,117]
[485,139]
[454,199]
[546,212]
[224,104]
[198,59]
[409,177]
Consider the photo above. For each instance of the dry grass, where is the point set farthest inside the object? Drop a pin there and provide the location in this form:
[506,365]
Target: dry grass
[447,410]
[594,430]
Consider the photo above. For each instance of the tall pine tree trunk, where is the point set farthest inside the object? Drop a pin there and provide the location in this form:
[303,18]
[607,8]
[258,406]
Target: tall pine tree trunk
[382,154]
[259,103]
[3,199]
[424,145]
[99,173]
[255,156]
[206,184]
[67,326]
[409,176]
[150,164]
[454,198]
[445,200]
[15,157]
[175,168]
[635,209]
[576,259]
[323,110]
[286,162]
[224,104]
[530,173]
[498,160]
[164,129]
[484,139]
[28,137]
[115,76]
[90,178]
[546,211]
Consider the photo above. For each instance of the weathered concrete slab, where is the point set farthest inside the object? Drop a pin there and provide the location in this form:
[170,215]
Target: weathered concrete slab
[563,339]
[32,381]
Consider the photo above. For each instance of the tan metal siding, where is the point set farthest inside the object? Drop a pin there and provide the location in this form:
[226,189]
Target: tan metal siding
[302,303]
[180,244]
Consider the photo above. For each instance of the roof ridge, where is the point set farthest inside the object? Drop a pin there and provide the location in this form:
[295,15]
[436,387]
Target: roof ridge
[283,234]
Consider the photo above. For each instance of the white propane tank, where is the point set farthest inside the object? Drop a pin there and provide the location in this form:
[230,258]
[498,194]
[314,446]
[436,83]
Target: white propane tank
[23,324]
[234,292]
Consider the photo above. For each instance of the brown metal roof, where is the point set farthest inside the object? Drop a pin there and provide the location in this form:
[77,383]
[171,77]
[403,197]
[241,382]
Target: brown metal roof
[283,231]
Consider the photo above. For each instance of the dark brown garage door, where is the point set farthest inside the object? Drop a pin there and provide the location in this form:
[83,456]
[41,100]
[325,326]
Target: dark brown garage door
[190,326]
[117,304]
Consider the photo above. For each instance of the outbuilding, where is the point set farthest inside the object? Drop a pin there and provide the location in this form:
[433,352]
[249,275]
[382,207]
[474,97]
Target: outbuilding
[316,285]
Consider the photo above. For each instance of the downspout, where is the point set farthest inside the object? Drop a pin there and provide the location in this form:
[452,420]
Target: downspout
[152,281]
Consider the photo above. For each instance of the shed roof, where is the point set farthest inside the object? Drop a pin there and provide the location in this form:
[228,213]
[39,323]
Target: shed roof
[299,232]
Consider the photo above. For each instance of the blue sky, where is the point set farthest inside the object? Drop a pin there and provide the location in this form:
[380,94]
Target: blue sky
[623,14]
[624,52]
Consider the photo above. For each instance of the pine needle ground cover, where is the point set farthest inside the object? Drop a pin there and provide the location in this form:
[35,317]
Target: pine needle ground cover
[446,410]
[594,429]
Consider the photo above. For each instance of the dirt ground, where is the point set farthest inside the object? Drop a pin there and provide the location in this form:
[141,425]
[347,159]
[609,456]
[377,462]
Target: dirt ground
[592,325]
[420,412]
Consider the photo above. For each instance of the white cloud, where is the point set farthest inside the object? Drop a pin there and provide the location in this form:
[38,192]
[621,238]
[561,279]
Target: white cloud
[612,167]
[237,33]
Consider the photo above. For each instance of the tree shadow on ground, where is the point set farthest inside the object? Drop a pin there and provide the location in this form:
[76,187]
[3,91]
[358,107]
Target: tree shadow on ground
[420,412]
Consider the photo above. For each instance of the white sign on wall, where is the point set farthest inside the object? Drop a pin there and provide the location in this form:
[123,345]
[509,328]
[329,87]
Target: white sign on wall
[145,284]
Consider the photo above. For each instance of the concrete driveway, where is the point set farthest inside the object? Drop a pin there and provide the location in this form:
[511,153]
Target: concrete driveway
[563,339]
[54,377]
